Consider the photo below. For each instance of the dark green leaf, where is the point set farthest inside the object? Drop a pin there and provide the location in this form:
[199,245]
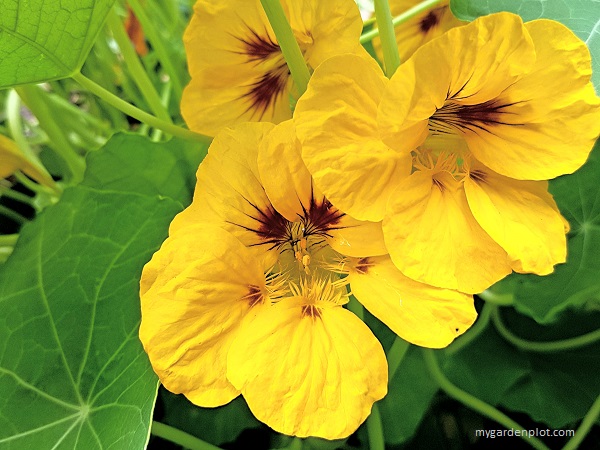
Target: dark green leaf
[575,284]
[73,374]
[554,388]
[581,16]
[43,40]
[409,396]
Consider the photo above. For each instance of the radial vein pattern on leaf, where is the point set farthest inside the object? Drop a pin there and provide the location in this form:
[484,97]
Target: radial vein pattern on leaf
[45,39]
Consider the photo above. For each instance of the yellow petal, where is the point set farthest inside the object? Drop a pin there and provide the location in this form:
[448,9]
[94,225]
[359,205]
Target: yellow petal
[229,192]
[196,291]
[420,29]
[238,71]
[469,65]
[11,160]
[554,109]
[521,216]
[420,314]
[433,237]
[290,189]
[335,122]
[308,376]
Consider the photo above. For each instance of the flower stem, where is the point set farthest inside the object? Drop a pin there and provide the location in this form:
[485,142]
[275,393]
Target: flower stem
[375,430]
[158,45]
[15,195]
[586,424]
[471,401]
[33,97]
[137,113]
[391,55]
[395,355]
[288,44]
[140,77]
[480,325]
[401,18]
[542,347]
[8,240]
[497,299]
[15,216]
[179,437]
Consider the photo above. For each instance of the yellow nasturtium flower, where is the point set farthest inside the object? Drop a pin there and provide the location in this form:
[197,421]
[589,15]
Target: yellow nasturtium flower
[421,28]
[486,113]
[11,160]
[251,301]
[237,68]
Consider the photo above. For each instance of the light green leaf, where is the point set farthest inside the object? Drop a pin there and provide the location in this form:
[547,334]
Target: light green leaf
[575,284]
[44,40]
[73,374]
[581,16]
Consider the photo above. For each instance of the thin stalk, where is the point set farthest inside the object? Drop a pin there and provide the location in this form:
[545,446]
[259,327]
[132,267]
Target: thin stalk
[139,75]
[8,240]
[158,45]
[15,216]
[542,347]
[401,18]
[137,113]
[15,125]
[15,195]
[395,356]
[35,99]
[37,188]
[391,55]
[180,437]
[584,428]
[471,401]
[375,430]
[480,325]
[497,299]
[164,98]
[288,44]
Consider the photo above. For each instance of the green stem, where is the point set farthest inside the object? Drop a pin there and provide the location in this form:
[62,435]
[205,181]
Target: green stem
[471,401]
[288,44]
[37,188]
[180,437]
[480,325]
[8,240]
[542,347]
[18,196]
[158,45]
[15,125]
[139,75]
[586,424]
[74,111]
[34,98]
[7,212]
[296,444]
[395,355]
[497,299]
[389,46]
[137,113]
[375,430]
[400,19]
[356,307]
[164,98]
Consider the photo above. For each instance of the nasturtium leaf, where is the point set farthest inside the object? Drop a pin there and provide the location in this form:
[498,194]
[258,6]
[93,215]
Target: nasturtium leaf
[554,388]
[73,374]
[575,284]
[409,395]
[214,425]
[44,40]
[581,16]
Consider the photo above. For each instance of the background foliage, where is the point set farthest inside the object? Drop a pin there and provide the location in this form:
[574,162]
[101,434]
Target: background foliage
[73,374]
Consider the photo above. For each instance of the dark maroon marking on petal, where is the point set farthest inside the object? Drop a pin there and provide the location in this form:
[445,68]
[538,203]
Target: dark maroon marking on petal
[254,296]
[257,47]
[311,311]
[477,175]
[482,116]
[437,183]
[362,266]
[429,21]
[263,93]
